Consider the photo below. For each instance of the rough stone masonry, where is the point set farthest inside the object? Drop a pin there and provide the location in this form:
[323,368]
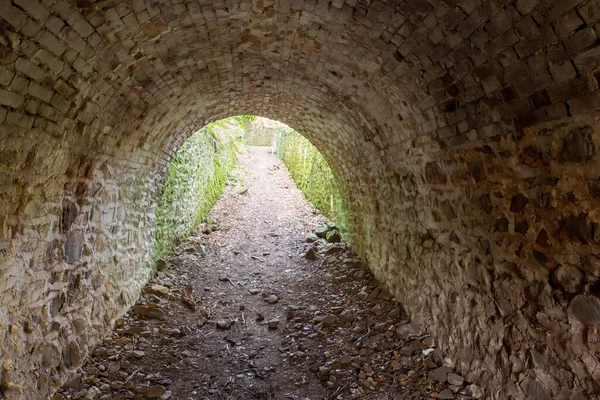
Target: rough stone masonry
[465,131]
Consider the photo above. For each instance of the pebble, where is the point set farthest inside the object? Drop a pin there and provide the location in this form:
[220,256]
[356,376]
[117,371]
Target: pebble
[348,316]
[439,374]
[224,324]
[455,379]
[273,323]
[272,299]
[138,353]
[446,394]
[407,330]
[155,392]
[311,254]
[473,391]
[157,290]
[253,291]
[345,359]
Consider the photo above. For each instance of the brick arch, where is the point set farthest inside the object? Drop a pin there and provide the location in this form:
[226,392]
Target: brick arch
[465,130]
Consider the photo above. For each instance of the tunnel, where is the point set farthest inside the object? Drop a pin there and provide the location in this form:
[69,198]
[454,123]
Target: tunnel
[463,131]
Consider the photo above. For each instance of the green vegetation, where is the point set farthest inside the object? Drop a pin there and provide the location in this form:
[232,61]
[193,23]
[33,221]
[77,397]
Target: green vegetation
[198,174]
[194,181]
[313,176]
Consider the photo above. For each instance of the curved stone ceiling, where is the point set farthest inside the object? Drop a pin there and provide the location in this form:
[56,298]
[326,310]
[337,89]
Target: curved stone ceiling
[465,132]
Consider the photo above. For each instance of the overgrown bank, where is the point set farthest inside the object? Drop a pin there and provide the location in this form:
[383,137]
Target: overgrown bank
[313,176]
[195,180]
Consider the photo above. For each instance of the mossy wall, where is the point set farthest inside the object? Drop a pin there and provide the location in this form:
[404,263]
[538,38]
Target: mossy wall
[194,181]
[314,177]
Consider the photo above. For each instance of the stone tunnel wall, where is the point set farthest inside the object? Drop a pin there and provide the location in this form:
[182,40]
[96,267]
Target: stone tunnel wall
[466,132]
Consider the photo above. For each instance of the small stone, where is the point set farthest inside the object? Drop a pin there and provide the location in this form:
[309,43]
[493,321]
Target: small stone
[333,236]
[187,297]
[148,311]
[157,290]
[407,330]
[311,254]
[138,353]
[455,379]
[348,316]
[273,323]
[345,359]
[473,391]
[439,374]
[74,383]
[156,391]
[311,238]
[571,279]
[324,370]
[161,265]
[259,317]
[321,231]
[586,309]
[428,351]
[253,291]
[329,320]
[272,299]
[224,324]
[167,395]
[446,394]
[141,388]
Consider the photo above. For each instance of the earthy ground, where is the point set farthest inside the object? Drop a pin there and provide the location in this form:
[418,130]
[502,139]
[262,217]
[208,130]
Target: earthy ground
[239,312]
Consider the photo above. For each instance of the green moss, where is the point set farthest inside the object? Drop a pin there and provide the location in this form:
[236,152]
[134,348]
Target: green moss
[194,181]
[314,177]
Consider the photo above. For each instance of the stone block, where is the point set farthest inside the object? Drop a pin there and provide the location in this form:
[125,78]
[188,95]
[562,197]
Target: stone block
[80,25]
[26,67]
[526,6]
[12,15]
[34,8]
[567,24]
[20,120]
[40,92]
[584,104]
[502,22]
[52,44]
[590,12]
[580,40]
[11,99]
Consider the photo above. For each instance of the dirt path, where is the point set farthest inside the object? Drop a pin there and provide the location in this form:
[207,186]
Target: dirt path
[266,323]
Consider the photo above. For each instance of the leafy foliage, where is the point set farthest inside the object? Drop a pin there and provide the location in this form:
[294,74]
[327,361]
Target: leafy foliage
[194,181]
[313,176]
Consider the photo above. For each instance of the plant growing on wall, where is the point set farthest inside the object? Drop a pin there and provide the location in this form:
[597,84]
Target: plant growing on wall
[194,181]
[313,176]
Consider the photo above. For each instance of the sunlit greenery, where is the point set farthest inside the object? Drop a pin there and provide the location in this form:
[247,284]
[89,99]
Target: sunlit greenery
[313,176]
[195,179]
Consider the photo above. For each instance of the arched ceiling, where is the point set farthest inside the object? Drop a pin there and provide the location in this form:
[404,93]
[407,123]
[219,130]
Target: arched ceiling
[465,131]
